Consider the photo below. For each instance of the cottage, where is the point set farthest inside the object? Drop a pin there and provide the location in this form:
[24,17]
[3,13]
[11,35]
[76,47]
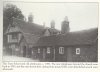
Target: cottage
[28,39]
[23,35]
[81,46]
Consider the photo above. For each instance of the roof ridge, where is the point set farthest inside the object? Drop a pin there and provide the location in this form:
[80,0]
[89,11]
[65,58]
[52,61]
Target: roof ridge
[27,22]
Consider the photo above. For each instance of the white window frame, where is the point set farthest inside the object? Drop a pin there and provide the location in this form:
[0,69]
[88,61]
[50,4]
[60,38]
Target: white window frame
[61,50]
[48,50]
[39,50]
[32,52]
[77,51]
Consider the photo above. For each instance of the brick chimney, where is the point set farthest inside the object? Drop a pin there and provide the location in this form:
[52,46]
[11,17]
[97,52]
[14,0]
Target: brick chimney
[30,18]
[53,24]
[65,26]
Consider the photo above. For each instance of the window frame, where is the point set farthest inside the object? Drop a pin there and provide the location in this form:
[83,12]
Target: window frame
[39,50]
[77,51]
[48,50]
[61,50]
[14,36]
[13,46]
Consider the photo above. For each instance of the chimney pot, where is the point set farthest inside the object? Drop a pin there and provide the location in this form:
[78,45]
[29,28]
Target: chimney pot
[30,18]
[53,24]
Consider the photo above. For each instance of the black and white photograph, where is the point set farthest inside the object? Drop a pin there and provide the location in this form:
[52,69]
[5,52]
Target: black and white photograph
[50,31]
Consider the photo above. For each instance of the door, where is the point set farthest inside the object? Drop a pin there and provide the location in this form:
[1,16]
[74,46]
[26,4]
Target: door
[43,53]
[24,51]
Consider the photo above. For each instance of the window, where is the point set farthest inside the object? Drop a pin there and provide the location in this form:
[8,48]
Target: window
[14,36]
[8,37]
[48,50]
[17,49]
[32,52]
[61,50]
[38,50]
[12,46]
[77,50]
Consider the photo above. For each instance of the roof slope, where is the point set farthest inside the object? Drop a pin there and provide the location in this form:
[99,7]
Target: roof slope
[27,27]
[79,38]
[31,31]
[47,41]
[72,38]
[53,31]
[31,39]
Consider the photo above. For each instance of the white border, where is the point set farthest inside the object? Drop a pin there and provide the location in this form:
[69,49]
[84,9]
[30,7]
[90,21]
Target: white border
[46,69]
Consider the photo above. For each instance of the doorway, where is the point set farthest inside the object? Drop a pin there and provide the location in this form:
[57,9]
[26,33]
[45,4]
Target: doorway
[24,51]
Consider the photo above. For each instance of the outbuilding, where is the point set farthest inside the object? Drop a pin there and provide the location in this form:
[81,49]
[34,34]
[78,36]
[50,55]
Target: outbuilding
[80,46]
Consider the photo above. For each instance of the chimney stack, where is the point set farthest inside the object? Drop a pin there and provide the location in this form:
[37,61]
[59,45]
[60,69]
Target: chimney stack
[53,24]
[65,26]
[30,18]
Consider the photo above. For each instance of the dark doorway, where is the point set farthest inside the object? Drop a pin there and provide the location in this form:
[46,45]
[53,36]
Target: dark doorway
[24,51]
[29,52]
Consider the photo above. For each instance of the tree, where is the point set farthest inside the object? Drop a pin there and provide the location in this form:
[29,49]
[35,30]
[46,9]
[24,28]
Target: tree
[11,11]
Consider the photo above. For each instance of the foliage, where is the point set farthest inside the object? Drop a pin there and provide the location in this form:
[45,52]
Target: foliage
[11,11]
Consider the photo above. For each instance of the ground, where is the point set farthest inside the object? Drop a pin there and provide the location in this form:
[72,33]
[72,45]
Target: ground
[16,58]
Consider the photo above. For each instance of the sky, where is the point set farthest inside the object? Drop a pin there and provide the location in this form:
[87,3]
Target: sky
[80,15]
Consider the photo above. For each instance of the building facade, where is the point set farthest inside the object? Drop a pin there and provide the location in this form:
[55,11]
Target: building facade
[35,41]
[21,36]
[79,46]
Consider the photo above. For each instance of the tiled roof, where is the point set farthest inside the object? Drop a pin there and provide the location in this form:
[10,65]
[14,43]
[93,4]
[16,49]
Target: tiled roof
[79,38]
[71,38]
[33,28]
[27,27]
[47,41]
[53,31]
[31,39]
[31,31]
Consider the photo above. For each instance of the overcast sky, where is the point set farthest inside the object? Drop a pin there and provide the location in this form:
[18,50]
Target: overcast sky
[80,15]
